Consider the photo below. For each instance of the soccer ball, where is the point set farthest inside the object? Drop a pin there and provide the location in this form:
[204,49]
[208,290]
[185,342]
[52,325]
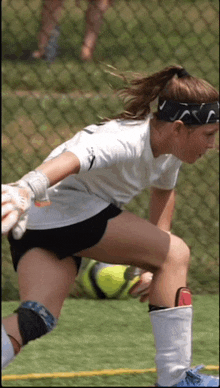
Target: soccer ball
[99,280]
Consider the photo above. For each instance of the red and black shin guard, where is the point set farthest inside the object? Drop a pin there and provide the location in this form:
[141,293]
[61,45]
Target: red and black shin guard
[183,298]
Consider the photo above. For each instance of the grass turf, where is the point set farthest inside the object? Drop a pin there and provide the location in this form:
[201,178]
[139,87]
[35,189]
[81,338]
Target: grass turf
[97,335]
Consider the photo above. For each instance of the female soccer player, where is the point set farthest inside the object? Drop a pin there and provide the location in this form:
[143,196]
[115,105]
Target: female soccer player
[86,181]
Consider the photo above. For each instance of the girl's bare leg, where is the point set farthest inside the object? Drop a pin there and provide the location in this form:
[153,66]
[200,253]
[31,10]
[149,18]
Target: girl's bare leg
[44,279]
[131,240]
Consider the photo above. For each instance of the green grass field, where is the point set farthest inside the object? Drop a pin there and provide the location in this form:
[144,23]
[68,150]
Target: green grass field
[97,335]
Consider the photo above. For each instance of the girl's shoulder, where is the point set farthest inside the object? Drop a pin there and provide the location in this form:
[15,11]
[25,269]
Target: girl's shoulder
[119,125]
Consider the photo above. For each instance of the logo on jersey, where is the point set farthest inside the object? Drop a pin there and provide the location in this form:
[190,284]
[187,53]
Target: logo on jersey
[91,158]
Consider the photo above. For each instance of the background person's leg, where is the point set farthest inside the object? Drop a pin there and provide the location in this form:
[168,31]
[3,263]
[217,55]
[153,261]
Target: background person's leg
[50,18]
[94,17]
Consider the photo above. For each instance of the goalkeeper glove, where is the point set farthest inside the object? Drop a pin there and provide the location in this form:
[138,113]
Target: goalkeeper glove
[17,198]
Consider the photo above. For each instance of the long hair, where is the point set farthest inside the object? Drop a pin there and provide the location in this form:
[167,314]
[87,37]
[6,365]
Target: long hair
[167,85]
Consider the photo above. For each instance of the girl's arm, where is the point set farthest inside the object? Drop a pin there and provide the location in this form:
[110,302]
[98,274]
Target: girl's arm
[60,167]
[162,204]
[17,197]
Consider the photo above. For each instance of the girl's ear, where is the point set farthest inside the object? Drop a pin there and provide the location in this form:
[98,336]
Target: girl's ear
[178,125]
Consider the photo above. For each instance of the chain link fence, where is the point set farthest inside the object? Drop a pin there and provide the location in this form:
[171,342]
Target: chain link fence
[45,100]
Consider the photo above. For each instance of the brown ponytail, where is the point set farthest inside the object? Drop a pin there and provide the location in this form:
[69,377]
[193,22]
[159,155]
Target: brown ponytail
[171,83]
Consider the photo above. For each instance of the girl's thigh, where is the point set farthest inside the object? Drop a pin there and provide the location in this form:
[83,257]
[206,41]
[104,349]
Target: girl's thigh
[42,277]
[131,240]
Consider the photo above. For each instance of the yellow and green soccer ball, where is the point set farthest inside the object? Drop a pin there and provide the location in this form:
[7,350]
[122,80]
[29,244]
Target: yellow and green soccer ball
[97,280]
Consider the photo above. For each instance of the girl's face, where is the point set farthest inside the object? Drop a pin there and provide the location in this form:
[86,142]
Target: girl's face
[193,144]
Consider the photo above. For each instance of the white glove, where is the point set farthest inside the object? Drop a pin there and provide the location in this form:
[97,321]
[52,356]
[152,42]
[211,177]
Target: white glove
[16,201]
[142,287]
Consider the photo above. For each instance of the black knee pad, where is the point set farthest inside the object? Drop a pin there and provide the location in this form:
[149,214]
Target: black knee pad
[34,321]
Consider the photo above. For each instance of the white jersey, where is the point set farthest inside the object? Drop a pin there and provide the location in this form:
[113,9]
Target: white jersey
[116,163]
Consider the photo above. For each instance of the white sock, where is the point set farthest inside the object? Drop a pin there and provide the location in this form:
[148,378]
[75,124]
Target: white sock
[7,349]
[172,330]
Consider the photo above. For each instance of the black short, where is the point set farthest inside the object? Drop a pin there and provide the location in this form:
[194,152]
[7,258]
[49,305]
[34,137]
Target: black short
[64,241]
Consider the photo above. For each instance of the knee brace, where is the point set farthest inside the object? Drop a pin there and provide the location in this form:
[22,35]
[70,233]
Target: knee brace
[34,321]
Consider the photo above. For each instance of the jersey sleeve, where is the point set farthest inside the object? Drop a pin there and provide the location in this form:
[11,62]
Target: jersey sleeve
[73,142]
[98,150]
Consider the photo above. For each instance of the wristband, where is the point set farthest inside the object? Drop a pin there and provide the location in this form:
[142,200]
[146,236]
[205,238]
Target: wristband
[38,183]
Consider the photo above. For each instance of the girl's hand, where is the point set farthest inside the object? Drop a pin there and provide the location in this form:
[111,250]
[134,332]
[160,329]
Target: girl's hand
[16,201]
[142,287]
